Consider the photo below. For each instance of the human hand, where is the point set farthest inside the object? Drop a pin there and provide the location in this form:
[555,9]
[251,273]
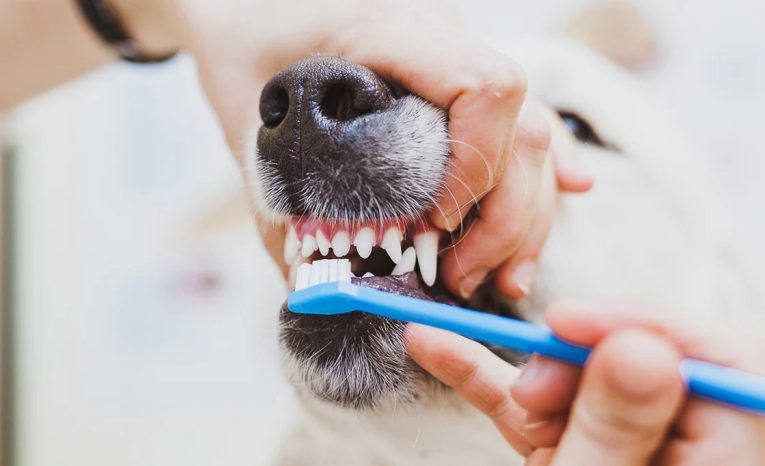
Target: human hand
[502,150]
[627,407]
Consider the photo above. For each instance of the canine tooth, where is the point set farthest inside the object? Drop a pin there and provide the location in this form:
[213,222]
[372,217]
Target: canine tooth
[341,243]
[408,260]
[303,276]
[309,246]
[293,271]
[291,245]
[426,246]
[364,241]
[391,242]
[322,242]
[367,275]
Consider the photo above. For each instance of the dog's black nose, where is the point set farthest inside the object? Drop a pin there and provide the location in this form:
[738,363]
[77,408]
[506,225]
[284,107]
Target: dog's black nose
[319,94]
[315,114]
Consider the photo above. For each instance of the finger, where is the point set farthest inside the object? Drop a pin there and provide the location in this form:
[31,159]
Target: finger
[475,373]
[545,430]
[708,433]
[586,324]
[482,89]
[570,172]
[630,393]
[515,277]
[546,386]
[540,457]
[546,389]
[505,216]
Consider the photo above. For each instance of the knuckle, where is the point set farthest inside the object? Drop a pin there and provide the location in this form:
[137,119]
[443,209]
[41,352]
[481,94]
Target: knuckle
[499,405]
[534,131]
[501,78]
[464,375]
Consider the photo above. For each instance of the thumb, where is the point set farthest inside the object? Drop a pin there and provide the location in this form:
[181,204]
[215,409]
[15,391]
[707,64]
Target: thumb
[630,393]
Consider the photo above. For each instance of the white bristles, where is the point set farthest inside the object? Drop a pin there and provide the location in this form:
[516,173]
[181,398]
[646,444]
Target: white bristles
[344,273]
[303,274]
[323,271]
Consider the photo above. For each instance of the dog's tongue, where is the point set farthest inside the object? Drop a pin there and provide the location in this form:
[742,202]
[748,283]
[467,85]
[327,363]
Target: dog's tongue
[408,284]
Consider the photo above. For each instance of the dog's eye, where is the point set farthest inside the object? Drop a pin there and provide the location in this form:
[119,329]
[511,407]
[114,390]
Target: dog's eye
[580,128]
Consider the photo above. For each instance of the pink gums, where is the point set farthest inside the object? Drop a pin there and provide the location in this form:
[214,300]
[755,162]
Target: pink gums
[310,225]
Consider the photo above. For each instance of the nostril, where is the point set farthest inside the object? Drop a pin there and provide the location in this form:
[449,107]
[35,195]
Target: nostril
[339,103]
[274,105]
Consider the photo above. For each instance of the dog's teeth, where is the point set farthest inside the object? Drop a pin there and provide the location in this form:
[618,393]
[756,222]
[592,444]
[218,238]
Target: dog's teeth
[341,243]
[426,246]
[367,275]
[391,242]
[364,241]
[292,280]
[291,245]
[322,242]
[408,261]
[309,246]
[303,276]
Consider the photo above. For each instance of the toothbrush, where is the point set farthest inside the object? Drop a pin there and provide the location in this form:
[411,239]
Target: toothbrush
[324,288]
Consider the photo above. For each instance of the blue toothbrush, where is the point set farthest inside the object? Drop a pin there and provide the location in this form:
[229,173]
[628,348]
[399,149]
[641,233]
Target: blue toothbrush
[707,380]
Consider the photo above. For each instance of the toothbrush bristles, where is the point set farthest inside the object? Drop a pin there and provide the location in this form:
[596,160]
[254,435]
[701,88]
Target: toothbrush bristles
[323,271]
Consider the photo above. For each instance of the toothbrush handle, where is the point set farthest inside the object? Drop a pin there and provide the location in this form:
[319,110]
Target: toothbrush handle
[724,384]
[707,380]
[703,379]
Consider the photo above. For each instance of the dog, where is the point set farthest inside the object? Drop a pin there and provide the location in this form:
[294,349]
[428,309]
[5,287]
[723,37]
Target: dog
[351,163]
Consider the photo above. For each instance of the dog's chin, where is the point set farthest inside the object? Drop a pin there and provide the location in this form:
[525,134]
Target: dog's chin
[357,360]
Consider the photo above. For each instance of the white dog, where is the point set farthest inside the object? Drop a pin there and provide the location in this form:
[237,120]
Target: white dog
[353,178]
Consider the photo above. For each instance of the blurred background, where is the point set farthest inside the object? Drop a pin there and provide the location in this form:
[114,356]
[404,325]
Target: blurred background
[139,312]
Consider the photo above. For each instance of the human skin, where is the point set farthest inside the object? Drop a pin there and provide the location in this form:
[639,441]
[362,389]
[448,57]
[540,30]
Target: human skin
[627,407]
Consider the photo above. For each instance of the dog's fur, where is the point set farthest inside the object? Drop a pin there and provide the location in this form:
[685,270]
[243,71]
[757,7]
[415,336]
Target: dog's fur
[641,232]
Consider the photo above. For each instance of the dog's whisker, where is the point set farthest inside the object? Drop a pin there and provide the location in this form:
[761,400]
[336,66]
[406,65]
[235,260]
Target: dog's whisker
[489,170]
[474,198]
[525,174]
[459,211]
[460,239]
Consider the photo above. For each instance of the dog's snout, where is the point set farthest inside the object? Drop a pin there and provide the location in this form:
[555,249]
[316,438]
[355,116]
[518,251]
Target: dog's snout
[314,114]
[337,140]
[320,93]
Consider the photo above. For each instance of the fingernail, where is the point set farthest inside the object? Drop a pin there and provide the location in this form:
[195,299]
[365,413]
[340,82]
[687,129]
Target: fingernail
[452,222]
[450,227]
[471,281]
[445,222]
[523,275]
[535,425]
[528,374]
